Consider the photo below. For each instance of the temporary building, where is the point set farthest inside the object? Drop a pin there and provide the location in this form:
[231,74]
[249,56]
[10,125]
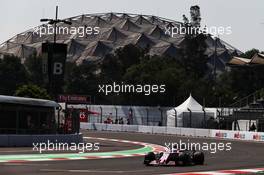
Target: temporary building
[189,114]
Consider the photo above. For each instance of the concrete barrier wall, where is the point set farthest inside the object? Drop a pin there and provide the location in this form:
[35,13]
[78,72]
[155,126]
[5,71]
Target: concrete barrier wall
[223,134]
[102,127]
[114,128]
[86,126]
[174,130]
[130,128]
[159,130]
[28,140]
[202,132]
[145,129]
[3,140]
[188,132]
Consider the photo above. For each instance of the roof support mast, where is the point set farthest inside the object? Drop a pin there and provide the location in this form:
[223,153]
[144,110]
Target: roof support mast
[55,24]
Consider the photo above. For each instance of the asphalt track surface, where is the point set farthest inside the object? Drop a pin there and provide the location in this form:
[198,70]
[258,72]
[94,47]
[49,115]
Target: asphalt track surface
[105,146]
[242,155]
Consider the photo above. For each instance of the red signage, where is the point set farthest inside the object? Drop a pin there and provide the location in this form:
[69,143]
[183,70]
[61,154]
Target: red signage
[80,99]
[83,116]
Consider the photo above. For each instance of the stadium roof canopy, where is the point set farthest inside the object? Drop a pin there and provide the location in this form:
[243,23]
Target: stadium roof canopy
[116,30]
[257,59]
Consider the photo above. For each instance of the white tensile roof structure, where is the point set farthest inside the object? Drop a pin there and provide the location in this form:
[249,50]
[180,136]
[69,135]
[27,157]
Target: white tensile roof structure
[190,104]
[116,30]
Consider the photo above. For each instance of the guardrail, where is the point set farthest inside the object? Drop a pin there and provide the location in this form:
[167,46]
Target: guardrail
[195,132]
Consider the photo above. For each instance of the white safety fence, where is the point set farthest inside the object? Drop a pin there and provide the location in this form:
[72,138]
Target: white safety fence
[212,133]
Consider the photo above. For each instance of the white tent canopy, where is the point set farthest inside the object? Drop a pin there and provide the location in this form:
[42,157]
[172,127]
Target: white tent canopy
[189,105]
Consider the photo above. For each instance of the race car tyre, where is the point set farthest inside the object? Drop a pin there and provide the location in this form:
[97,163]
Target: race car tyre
[185,159]
[198,158]
[149,158]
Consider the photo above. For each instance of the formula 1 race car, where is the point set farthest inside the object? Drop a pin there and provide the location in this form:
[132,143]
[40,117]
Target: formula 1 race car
[184,158]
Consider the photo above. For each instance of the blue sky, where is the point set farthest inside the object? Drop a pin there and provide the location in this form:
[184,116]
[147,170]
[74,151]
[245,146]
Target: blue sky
[246,18]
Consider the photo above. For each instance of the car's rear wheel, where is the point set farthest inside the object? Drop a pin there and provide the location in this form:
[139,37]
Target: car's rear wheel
[149,158]
[184,159]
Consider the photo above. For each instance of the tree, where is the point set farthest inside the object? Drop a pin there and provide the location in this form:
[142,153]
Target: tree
[155,70]
[250,53]
[81,79]
[33,65]
[129,55]
[32,91]
[193,56]
[12,74]
[111,68]
[115,65]
[241,81]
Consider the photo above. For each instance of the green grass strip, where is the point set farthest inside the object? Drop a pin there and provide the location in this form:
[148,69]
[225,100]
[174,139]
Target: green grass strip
[28,157]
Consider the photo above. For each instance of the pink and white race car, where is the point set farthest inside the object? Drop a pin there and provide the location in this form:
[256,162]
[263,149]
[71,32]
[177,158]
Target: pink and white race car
[185,157]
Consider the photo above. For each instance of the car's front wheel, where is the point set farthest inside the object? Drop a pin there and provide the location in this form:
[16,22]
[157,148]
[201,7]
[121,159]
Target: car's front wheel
[198,158]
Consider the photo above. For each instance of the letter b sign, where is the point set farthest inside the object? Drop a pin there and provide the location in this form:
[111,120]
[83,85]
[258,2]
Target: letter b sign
[57,68]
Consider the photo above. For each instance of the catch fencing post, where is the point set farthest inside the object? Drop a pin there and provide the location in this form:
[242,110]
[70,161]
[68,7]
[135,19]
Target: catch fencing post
[176,117]
[116,115]
[131,116]
[101,116]
[190,117]
[161,116]
[204,118]
[147,116]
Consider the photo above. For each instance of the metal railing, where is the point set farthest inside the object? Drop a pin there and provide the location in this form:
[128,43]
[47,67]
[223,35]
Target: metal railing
[249,99]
